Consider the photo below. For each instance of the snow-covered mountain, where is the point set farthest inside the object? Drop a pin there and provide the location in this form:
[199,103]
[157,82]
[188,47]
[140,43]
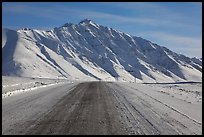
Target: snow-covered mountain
[88,51]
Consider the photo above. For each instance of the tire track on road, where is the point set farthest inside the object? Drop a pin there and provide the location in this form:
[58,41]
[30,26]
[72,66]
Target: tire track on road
[89,109]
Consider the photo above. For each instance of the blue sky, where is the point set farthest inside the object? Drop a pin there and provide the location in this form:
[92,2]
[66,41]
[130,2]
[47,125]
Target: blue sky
[175,25]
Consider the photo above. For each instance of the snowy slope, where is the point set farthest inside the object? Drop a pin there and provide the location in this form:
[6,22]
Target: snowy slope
[88,51]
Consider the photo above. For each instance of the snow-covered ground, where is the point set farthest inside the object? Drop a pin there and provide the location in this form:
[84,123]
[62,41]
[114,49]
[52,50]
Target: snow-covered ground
[182,102]
[16,85]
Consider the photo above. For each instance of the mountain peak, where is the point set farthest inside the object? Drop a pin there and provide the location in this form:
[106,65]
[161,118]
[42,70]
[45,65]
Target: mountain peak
[67,24]
[25,29]
[90,51]
[86,21]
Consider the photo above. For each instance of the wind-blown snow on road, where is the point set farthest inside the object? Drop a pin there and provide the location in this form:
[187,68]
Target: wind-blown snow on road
[100,108]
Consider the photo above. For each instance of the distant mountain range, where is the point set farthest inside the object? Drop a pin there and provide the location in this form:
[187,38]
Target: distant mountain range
[89,51]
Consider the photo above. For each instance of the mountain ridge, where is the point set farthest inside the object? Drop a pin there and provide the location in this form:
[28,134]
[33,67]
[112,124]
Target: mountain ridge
[93,52]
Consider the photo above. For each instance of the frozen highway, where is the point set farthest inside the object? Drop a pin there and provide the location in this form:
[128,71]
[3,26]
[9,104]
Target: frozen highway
[95,108]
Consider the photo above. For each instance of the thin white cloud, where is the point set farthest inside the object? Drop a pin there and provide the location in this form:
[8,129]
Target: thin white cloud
[60,12]
[30,10]
[179,43]
[143,8]
[197,3]
[190,46]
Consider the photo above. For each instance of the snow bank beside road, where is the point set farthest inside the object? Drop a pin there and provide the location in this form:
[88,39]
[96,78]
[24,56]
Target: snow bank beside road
[185,98]
[16,85]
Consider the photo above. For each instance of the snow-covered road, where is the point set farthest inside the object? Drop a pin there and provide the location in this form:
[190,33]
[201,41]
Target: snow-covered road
[102,108]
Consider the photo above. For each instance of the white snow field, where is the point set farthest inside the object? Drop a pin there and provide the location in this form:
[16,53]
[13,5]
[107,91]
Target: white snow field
[183,102]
